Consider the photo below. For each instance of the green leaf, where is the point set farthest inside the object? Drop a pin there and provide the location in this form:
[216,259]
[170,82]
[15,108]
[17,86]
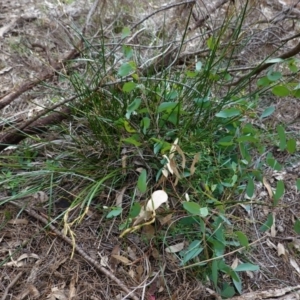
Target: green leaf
[274,75]
[264,81]
[227,291]
[250,188]
[291,146]
[267,112]
[127,51]
[226,141]
[203,212]
[125,32]
[135,210]
[247,138]
[133,141]
[297,226]
[125,69]
[214,272]
[128,87]
[280,90]
[142,181]
[246,267]
[145,124]
[279,191]
[273,163]
[114,212]
[282,137]
[242,238]
[228,113]
[134,105]
[166,106]
[191,207]
[267,225]
[298,184]
[237,281]
[193,251]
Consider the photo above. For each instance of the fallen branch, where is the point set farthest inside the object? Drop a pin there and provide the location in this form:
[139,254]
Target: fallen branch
[263,67]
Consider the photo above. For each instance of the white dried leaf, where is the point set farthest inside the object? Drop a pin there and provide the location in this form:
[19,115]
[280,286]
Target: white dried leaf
[280,249]
[157,199]
[294,264]
[175,248]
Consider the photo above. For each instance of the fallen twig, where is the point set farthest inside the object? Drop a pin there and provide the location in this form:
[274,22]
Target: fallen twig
[11,285]
[79,250]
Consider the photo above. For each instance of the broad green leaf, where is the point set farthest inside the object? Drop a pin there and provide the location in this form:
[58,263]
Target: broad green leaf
[214,272]
[291,146]
[264,81]
[166,106]
[193,251]
[274,75]
[228,113]
[191,207]
[128,127]
[273,163]
[267,225]
[237,281]
[247,138]
[298,184]
[250,188]
[145,124]
[297,226]
[134,105]
[242,238]
[191,74]
[280,90]
[135,210]
[203,212]
[126,69]
[133,140]
[128,87]
[127,51]
[142,181]
[114,212]
[279,191]
[282,137]
[268,112]
[125,32]
[226,141]
[246,267]
[227,291]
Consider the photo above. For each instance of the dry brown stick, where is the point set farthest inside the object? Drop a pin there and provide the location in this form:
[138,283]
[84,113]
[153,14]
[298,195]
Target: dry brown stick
[11,285]
[106,272]
[262,67]
[209,12]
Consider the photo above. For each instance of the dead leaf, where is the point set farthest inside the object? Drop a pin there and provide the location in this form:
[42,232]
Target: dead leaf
[124,163]
[33,291]
[181,153]
[294,264]
[273,228]
[166,219]
[122,259]
[72,289]
[139,272]
[119,197]
[149,231]
[268,187]
[18,222]
[131,253]
[113,261]
[235,263]
[175,248]
[157,199]
[195,160]
[155,254]
[280,249]
[131,273]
